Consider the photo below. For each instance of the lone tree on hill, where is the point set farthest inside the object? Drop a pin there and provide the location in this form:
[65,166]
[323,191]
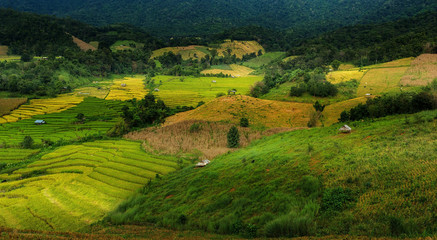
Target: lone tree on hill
[244,122]
[27,142]
[316,115]
[233,138]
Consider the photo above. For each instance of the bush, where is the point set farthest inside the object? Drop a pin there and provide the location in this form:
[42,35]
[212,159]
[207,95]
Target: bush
[290,225]
[195,127]
[27,142]
[233,137]
[220,95]
[336,199]
[244,122]
[309,185]
[298,91]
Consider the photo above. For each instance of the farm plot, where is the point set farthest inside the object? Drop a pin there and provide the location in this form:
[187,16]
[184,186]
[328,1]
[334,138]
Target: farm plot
[10,155]
[264,59]
[232,70]
[100,116]
[344,76]
[189,91]
[381,80]
[3,50]
[79,185]
[9,104]
[423,70]
[41,107]
[188,52]
[127,88]
[240,48]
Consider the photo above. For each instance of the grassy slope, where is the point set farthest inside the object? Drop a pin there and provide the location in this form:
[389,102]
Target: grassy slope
[261,113]
[263,59]
[232,70]
[387,168]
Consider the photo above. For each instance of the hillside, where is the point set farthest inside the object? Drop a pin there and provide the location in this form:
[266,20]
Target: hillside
[197,17]
[304,183]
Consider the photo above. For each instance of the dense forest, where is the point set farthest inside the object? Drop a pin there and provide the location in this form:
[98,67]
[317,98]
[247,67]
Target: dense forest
[199,17]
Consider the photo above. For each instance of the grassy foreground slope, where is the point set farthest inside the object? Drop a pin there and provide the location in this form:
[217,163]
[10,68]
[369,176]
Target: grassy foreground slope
[378,180]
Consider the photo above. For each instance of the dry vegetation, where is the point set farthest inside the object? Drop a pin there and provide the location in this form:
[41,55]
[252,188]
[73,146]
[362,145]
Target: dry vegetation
[83,45]
[208,139]
[240,48]
[237,71]
[3,50]
[422,71]
[9,104]
[187,52]
[261,113]
[343,76]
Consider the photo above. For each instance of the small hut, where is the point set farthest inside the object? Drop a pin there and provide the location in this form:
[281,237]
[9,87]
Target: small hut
[213,81]
[345,129]
[156,90]
[203,163]
[40,122]
[123,84]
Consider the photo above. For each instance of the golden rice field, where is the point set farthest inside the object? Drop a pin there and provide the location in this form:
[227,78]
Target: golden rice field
[240,48]
[237,71]
[404,62]
[422,71]
[49,194]
[343,76]
[188,52]
[380,80]
[262,113]
[42,106]
[9,104]
[101,92]
[127,88]
[189,91]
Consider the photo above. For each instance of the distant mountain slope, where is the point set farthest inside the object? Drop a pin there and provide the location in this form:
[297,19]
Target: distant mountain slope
[197,17]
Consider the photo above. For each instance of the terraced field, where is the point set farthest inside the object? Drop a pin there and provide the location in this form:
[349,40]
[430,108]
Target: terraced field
[188,52]
[381,80]
[41,107]
[240,48]
[13,155]
[78,184]
[344,76]
[233,70]
[189,91]
[100,116]
[422,71]
[3,50]
[264,59]
[127,88]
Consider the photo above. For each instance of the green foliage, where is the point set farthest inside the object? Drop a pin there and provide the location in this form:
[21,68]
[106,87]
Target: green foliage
[335,64]
[25,57]
[309,185]
[244,122]
[299,90]
[27,142]
[145,112]
[318,106]
[233,137]
[336,199]
[195,127]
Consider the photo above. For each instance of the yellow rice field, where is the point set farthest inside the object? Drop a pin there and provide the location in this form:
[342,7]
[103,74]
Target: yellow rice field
[127,88]
[343,76]
[237,71]
[188,52]
[43,106]
[240,48]
[381,80]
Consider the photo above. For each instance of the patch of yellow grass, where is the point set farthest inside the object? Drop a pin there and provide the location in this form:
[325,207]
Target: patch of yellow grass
[83,45]
[127,88]
[240,48]
[9,104]
[333,111]
[187,52]
[422,71]
[3,50]
[289,58]
[237,71]
[404,62]
[261,113]
[92,92]
[43,106]
[380,80]
[343,76]
[346,66]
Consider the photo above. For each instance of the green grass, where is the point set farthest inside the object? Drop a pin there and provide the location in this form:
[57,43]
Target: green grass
[264,59]
[316,182]
[221,67]
[188,91]
[76,185]
[125,45]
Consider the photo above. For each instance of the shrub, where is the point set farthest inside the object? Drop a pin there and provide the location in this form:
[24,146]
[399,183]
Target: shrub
[336,199]
[233,137]
[27,142]
[290,225]
[309,185]
[244,122]
[195,127]
[298,91]
[220,95]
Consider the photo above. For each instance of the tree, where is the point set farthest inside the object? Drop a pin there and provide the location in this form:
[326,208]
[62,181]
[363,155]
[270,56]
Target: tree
[27,142]
[233,137]
[318,106]
[80,117]
[335,64]
[244,122]
[26,57]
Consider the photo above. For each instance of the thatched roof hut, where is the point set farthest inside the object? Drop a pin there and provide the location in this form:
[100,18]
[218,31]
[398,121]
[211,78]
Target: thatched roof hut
[345,129]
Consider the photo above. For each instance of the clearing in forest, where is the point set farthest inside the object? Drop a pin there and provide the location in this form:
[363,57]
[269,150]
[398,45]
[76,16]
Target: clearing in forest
[127,88]
[83,45]
[3,50]
[49,194]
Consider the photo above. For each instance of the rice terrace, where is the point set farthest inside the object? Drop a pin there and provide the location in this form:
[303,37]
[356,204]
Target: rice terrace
[264,120]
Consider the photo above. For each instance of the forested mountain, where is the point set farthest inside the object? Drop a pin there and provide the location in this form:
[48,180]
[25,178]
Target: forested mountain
[200,17]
